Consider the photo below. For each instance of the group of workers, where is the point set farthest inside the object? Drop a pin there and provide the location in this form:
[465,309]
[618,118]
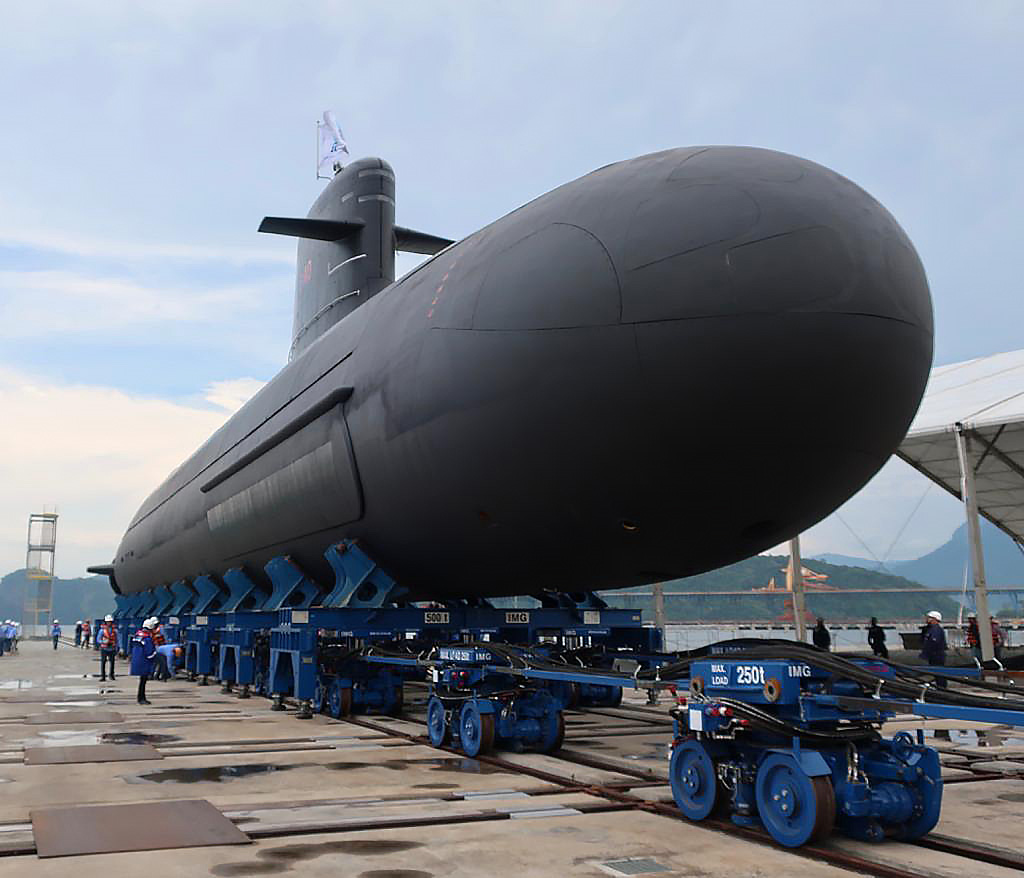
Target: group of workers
[933,638]
[152,655]
[83,633]
[10,631]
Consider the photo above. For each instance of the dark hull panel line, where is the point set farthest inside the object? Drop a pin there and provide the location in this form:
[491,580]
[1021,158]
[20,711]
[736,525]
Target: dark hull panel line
[665,366]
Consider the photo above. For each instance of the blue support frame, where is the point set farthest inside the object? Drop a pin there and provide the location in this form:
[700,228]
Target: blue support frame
[241,590]
[358,581]
[208,591]
[292,588]
[184,595]
[164,599]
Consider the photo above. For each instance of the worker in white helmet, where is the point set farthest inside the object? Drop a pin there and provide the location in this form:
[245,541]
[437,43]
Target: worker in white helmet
[55,632]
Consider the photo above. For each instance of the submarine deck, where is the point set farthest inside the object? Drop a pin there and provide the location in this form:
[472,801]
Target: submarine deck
[366,797]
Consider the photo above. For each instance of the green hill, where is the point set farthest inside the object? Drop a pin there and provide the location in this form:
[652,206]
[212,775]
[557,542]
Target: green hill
[86,597]
[756,572]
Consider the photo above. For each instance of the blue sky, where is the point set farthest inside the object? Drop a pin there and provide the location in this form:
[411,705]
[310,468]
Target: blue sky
[141,143]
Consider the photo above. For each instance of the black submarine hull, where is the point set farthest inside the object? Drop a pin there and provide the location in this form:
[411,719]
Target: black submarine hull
[670,364]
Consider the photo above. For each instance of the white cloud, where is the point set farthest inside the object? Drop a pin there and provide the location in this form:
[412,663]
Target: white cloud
[232,394]
[41,303]
[95,452]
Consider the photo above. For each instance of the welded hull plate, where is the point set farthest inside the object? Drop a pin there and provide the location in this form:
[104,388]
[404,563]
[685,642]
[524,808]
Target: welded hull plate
[90,753]
[150,826]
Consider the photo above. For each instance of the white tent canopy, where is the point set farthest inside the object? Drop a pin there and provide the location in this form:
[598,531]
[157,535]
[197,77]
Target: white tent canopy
[968,437]
[986,398]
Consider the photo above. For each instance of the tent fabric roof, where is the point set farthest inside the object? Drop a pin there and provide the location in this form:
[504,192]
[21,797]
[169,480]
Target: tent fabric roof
[986,396]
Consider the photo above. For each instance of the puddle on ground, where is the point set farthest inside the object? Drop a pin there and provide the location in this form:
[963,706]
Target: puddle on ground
[280,859]
[16,684]
[210,774]
[1012,797]
[435,786]
[136,738]
[458,764]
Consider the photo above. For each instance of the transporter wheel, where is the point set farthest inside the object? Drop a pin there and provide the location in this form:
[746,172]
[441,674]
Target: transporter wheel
[437,722]
[319,696]
[397,702]
[794,808]
[339,700]
[476,730]
[694,780]
[554,732]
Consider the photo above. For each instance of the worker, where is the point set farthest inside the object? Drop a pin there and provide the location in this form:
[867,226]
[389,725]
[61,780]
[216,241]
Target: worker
[17,635]
[876,639]
[161,671]
[167,656]
[106,640]
[998,640]
[142,652]
[55,632]
[822,639]
[5,646]
[973,636]
[78,633]
[86,633]
[933,643]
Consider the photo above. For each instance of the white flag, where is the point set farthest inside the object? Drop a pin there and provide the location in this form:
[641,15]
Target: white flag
[333,148]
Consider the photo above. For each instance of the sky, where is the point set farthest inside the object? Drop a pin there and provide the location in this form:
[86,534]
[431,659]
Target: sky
[141,143]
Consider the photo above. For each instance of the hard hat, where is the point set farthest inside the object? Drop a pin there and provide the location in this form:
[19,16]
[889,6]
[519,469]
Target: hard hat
[936,615]
[108,618]
[148,624]
[56,621]
[972,615]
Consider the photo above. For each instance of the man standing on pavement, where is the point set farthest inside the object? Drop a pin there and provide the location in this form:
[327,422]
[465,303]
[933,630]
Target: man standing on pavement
[55,632]
[78,633]
[106,639]
[142,652]
[86,633]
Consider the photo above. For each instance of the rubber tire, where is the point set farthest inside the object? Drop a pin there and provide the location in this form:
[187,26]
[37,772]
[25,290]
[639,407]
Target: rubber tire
[814,805]
[438,729]
[700,794]
[555,733]
[476,731]
[339,701]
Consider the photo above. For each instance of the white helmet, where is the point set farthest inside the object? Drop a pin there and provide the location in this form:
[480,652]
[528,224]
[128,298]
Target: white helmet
[56,621]
[148,624]
[108,618]
[936,615]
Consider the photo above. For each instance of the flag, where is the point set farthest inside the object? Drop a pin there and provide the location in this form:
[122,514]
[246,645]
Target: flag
[333,148]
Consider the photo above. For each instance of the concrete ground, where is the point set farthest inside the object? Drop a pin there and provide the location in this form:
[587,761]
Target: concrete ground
[323,797]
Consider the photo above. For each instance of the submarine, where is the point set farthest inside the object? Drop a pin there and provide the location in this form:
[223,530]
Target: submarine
[665,366]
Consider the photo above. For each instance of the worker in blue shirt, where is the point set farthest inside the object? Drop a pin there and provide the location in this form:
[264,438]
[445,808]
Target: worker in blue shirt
[933,643]
[5,637]
[143,651]
[55,632]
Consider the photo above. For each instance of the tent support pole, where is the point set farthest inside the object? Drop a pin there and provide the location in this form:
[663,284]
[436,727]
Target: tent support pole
[795,585]
[967,491]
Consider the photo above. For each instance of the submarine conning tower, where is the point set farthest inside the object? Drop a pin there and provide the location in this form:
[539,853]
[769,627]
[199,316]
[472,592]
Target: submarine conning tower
[347,245]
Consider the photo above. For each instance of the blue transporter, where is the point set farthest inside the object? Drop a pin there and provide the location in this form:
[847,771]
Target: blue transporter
[786,745]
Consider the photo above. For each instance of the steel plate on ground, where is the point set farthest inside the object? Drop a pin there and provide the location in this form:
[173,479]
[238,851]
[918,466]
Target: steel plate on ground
[90,753]
[59,717]
[150,826]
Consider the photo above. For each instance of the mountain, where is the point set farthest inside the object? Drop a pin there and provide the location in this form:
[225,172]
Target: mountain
[756,572]
[944,567]
[86,597]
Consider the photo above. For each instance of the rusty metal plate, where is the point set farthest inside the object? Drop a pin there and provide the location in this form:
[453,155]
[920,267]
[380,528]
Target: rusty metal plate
[149,826]
[90,753]
[59,717]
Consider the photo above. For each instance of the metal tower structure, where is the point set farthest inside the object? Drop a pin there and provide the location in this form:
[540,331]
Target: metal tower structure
[39,567]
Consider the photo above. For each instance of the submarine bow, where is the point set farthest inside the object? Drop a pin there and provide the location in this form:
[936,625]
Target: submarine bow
[589,393]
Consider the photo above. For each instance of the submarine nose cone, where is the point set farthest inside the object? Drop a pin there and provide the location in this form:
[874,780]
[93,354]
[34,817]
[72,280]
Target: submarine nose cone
[784,327]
